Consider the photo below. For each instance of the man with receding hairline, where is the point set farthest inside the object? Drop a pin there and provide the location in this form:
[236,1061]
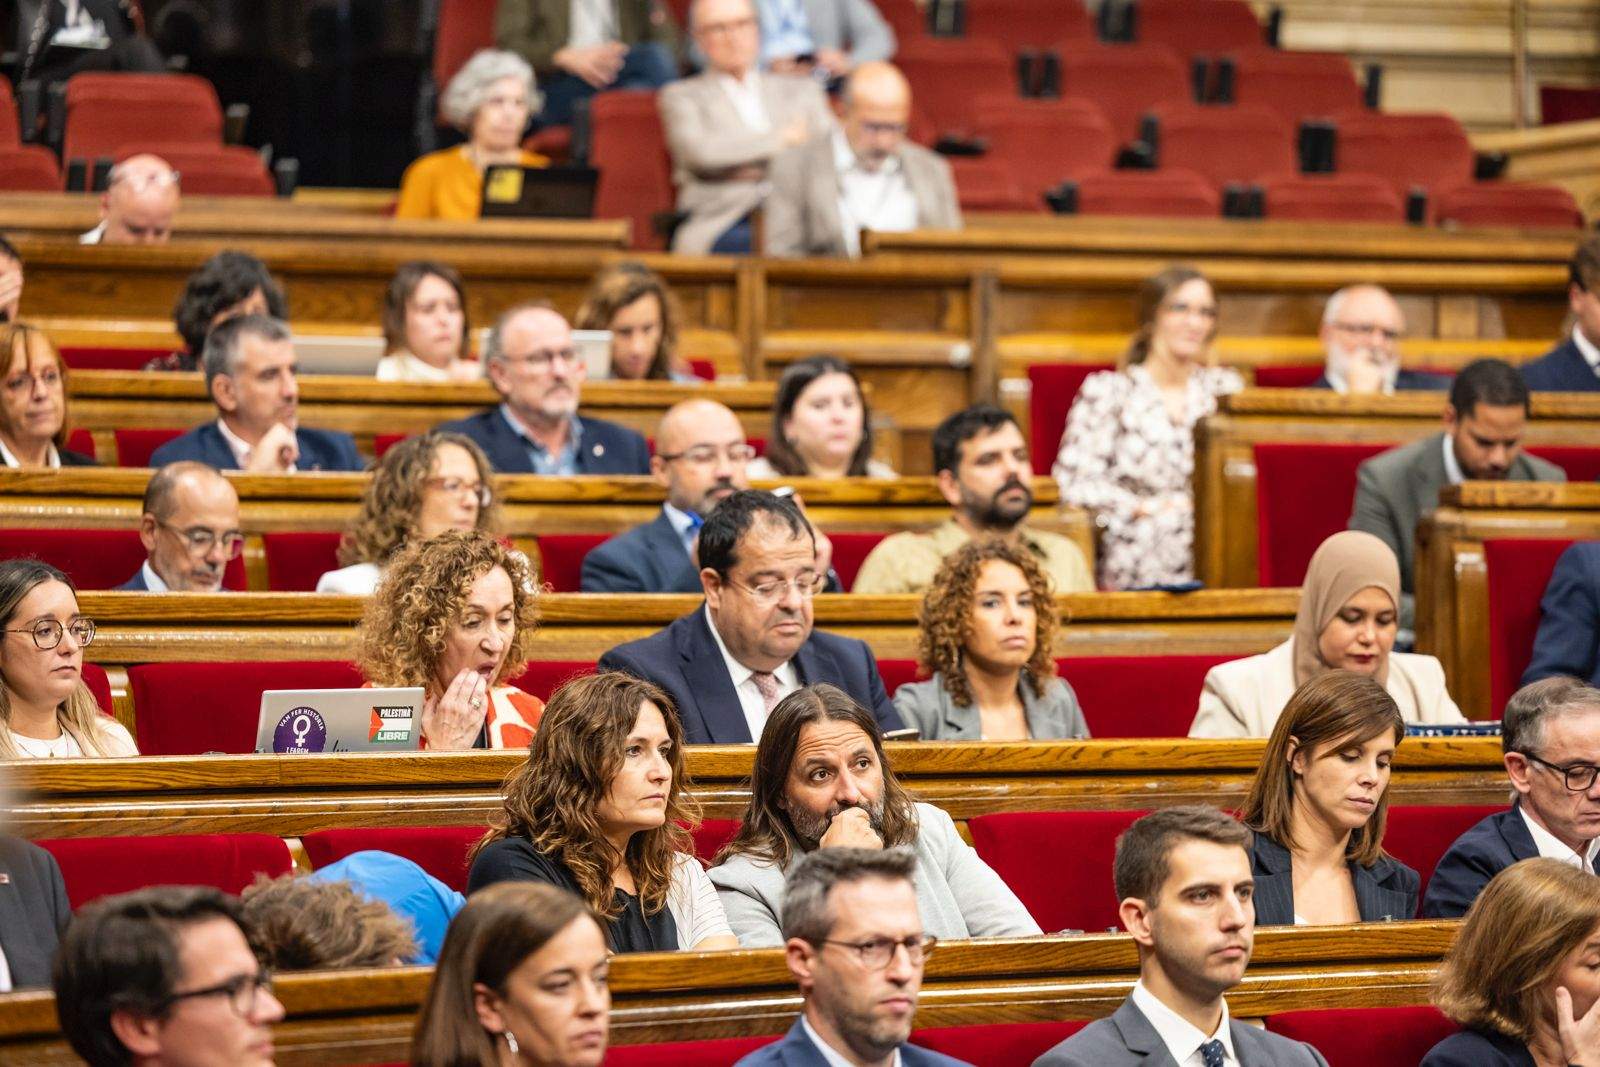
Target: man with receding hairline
[1361,330]
[139,204]
[190,529]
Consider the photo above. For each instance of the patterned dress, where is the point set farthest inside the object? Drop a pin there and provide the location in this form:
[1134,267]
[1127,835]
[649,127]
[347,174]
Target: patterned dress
[1126,462]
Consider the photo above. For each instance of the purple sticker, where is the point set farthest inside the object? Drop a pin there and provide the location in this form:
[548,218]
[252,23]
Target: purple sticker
[300,730]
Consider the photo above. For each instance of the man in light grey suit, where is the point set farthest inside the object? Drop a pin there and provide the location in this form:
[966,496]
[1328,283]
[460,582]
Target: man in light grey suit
[1183,876]
[864,176]
[828,36]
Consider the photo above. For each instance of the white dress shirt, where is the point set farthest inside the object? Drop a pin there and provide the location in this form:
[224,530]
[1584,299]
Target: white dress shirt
[1587,349]
[403,366]
[745,95]
[687,529]
[152,581]
[750,702]
[1552,847]
[5,973]
[52,458]
[829,1056]
[1452,470]
[1182,1038]
[242,450]
[879,200]
[94,236]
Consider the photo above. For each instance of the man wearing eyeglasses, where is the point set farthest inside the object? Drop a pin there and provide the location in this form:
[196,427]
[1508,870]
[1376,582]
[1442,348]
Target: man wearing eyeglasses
[1551,739]
[1361,330]
[533,364]
[165,976]
[190,530]
[729,662]
[855,945]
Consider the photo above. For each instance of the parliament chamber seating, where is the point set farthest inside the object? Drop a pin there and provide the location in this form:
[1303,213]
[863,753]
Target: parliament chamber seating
[1210,28]
[984,184]
[28,169]
[1173,192]
[439,850]
[1240,144]
[1052,389]
[94,676]
[948,77]
[713,1052]
[1518,570]
[214,170]
[1125,80]
[295,560]
[1419,836]
[191,708]
[1028,25]
[1509,204]
[1332,198]
[1424,149]
[1058,863]
[94,867]
[1299,86]
[1367,1037]
[109,114]
[136,446]
[850,551]
[464,27]
[1293,522]
[82,441]
[108,357]
[629,148]
[1043,142]
[94,559]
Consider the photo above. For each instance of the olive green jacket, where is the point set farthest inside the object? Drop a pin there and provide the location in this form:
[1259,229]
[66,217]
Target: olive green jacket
[537,29]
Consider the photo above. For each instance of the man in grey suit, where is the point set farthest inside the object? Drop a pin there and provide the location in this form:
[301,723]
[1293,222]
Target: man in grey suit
[1183,876]
[823,37]
[1484,423]
[864,176]
[725,124]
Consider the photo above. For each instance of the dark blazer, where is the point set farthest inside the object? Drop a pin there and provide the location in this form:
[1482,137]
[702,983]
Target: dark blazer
[33,911]
[796,1050]
[1568,641]
[1127,1038]
[685,661]
[135,584]
[1477,1048]
[1561,370]
[69,458]
[607,447]
[1405,382]
[320,450]
[1477,856]
[646,559]
[1386,890]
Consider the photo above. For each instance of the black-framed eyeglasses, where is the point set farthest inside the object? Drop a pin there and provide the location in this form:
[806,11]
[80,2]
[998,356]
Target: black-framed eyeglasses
[47,633]
[704,455]
[1579,777]
[243,992]
[877,952]
[201,540]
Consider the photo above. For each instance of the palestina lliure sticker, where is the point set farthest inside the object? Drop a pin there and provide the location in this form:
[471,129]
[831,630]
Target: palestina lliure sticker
[300,730]
[390,725]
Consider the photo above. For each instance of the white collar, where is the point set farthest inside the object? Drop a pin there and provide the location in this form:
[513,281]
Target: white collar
[414,368]
[681,522]
[52,458]
[1587,349]
[845,160]
[738,672]
[829,1056]
[153,581]
[1552,847]
[1182,1038]
[242,450]
[1452,469]
[750,83]
[94,236]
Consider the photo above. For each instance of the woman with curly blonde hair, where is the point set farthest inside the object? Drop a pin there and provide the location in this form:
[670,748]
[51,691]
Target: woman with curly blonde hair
[421,487]
[455,615]
[988,626]
[598,809]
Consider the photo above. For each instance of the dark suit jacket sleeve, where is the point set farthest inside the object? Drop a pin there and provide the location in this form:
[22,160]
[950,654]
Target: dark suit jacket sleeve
[1460,876]
[56,891]
[1569,618]
[1373,513]
[878,697]
[611,567]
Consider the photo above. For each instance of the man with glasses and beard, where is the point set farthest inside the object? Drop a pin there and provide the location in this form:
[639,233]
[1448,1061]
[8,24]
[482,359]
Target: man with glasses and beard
[981,460]
[190,530]
[821,781]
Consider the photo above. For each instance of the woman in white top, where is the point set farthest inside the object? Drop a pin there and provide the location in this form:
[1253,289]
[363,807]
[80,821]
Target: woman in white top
[425,326]
[821,427]
[1348,617]
[599,809]
[33,401]
[421,487]
[45,709]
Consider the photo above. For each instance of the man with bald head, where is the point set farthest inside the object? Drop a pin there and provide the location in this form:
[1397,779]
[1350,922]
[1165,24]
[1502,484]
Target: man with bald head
[865,176]
[138,205]
[1361,330]
[190,530]
[533,364]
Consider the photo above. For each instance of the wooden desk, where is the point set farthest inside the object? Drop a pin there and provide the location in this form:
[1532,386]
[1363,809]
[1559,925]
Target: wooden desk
[366,1016]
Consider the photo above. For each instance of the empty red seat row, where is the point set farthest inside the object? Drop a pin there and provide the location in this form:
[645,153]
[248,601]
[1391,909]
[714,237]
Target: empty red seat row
[94,559]
[94,867]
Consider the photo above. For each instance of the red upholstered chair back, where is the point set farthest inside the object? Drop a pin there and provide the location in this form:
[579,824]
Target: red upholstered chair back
[1290,522]
[1171,192]
[719,1052]
[1519,569]
[1419,836]
[1044,142]
[134,447]
[96,867]
[108,114]
[988,184]
[1207,27]
[629,149]
[949,76]
[1058,863]
[1581,463]
[29,168]
[850,550]
[296,560]
[185,709]
[1297,85]
[544,676]
[1052,387]
[82,441]
[1406,150]
[897,672]
[84,357]
[382,442]
[1244,143]
[1000,1044]
[1367,1037]
[561,558]
[10,127]
[94,559]
[1509,204]
[1138,696]
[1333,198]
[214,170]
[711,835]
[1126,80]
[464,27]
[439,850]
[1291,376]
[94,676]
[1020,24]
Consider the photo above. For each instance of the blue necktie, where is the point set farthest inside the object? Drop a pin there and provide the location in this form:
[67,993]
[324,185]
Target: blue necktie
[1211,1053]
[691,533]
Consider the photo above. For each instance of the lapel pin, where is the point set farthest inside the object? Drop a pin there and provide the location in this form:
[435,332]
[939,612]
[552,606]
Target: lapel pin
[599,450]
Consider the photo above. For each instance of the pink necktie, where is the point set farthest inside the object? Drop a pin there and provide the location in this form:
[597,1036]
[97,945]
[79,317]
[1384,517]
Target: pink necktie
[767,683]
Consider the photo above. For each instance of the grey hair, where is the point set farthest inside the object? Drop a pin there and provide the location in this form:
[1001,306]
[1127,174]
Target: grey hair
[493,345]
[1522,725]
[806,913]
[221,354]
[162,489]
[1335,304]
[120,173]
[466,92]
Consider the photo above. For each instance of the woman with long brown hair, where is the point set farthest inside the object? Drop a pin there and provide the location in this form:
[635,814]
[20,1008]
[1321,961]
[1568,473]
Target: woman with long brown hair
[598,809]
[633,302]
[821,425]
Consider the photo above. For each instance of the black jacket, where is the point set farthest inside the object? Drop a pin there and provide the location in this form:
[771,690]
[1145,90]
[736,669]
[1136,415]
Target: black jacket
[33,911]
[1561,370]
[606,447]
[1386,890]
[1477,856]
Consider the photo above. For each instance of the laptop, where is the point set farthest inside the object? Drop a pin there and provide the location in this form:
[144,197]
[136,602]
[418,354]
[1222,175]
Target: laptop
[297,721]
[538,192]
[356,356]
[594,348]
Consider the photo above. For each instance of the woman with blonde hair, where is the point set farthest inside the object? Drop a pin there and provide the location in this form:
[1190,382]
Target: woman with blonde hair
[45,709]
[33,402]
[1318,807]
[455,615]
[634,303]
[1523,976]
[599,810]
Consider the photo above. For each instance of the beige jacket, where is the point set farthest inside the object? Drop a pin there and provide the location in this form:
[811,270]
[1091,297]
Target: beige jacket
[907,561]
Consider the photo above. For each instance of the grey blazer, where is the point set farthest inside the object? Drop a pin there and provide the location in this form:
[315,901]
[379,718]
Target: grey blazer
[931,709]
[802,212]
[958,894]
[854,27]
[1388,890]
[709,140]
[1127,1039]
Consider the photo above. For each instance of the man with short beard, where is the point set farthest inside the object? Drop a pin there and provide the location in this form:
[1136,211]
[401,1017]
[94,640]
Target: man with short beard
[981,460]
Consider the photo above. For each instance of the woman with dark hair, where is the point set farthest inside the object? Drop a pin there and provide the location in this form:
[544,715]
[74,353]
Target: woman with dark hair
[1318,807]
[425,326]
[228,285]
[598,809]
[33,402]
[521,982]
[821,427]
[634,303]
[1128,450]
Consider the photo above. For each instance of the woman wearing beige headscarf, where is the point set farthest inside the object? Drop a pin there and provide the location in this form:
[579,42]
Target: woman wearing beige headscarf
[1347,621]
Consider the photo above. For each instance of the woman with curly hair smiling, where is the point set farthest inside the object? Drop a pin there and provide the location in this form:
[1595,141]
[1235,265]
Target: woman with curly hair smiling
[421,487]
[598,809]
[455,615]
[988,625]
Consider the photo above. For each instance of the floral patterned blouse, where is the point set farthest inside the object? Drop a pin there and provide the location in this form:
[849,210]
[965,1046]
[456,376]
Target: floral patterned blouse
[1126,462]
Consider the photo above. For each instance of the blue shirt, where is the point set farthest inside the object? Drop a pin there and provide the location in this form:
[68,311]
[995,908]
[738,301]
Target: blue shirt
[411,893]
[565,462]
[785,31]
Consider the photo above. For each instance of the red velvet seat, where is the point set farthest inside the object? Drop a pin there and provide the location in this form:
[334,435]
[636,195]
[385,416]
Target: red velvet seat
[1367,1037]
[1052,387]
[135,447]
[629,149]
[1582,463]
[850,550]
[1044,142]
[296,560]
[1333,198]
[1028,24]
[82,441]
[543,677]
[1244,143]
[186,709]
[93,559]
[108,114]
[439,850]
[1058,863]
[1417,149]
[1171,192]
[464,27]
[711,835]
[717,1052]
[1290,522]
[948,77]
[1288,376]
[1522,204]
[997,1044]
[898,672]
[213,170]
[1518,571]
[988,185]
[1420,835]
[28,168]
[561,558]
[96,867]
[1297,85]
[1199,27]
[94,676]
[1125,80]
[86,357]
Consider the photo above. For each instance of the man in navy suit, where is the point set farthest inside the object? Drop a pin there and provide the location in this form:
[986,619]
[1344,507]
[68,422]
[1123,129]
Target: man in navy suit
[532,363]
[250,373]
[728,663]
[1568,641]
[190,530]
[1361,330]
[1551,739]
[1573,366]
[855,945]
[33,912]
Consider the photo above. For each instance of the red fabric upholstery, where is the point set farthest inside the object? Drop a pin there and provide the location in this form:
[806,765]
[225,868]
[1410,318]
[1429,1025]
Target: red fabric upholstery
[96,867]
[109,114]
[1052,387]
[553,142]
[1167,193]
[720,1052]
[94,676]
[988,185]
[1519,569]
[1419,836]
[95,358]
[296,560]
[1058,863]
[1367,1037]
[998,1044]
[1138,696]
[382,442]
[439,850]
[134,447]
[185,709]
[949,76]
[1244,143]
[543,677]
[1406,150]
[1509,204]
[1024,24]
[28,168]
[1292,376]
[897,672]
[561,558]
[905,17]
[1290,522]
[1333,198]
[1199,27]
[1126,80]
[1297,85]
[630,151]
[850,551]
[1567,103]
[94,559]
[10,125]
[704,369]
[464,27]
[1582,463]
[1043,142]
[213,170]
[711,835]
[81,441]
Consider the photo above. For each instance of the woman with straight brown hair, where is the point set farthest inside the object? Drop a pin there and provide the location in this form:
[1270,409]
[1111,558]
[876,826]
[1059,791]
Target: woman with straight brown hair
[599,808]
[1318,807]
[425,326]
[521,982]
[1523,976]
